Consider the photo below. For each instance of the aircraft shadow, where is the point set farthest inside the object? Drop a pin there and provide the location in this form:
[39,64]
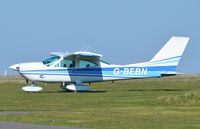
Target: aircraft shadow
[167,90]
[94,91]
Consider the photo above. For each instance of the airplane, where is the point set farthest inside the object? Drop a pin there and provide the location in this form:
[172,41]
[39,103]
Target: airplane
[75,69]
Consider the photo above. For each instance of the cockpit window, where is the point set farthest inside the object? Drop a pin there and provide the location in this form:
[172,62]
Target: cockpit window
[50,60]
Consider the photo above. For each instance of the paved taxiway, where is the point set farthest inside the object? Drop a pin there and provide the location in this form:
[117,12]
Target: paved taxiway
[12,125]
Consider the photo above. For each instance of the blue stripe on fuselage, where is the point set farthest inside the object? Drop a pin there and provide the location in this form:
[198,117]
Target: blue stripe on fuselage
[122,72]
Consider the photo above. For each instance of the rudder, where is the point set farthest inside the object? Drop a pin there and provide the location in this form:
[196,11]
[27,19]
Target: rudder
[172,51]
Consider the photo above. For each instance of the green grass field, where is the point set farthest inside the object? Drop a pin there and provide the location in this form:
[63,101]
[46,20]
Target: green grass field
[163,103]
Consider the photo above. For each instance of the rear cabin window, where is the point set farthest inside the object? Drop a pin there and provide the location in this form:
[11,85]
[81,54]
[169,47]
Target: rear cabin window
[85,63]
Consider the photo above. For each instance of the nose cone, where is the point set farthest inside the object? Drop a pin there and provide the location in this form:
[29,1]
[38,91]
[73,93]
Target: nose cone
[14,67]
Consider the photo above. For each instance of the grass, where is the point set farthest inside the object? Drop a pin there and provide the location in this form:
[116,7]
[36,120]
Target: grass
[163,103]
[188,99]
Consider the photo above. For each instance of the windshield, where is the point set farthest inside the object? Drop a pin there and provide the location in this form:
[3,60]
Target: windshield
[50,60]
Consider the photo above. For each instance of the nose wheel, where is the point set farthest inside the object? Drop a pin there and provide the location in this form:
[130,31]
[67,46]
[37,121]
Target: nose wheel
[32,88]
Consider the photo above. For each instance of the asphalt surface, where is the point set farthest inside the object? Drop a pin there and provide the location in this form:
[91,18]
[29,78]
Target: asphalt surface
[12,125]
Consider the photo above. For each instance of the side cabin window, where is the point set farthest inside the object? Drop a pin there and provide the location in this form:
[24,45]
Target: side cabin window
[79,64]
[85,64]
[67,63]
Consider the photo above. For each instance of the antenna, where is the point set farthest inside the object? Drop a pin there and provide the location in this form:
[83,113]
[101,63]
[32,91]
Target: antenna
[83,48]
[87,48]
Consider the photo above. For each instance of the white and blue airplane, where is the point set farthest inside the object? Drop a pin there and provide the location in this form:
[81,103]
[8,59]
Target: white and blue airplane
[73,70]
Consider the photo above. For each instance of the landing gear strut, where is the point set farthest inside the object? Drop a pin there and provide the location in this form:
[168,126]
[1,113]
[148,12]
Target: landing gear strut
[75,87]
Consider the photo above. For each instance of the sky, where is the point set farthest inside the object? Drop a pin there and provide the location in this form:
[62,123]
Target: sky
[124,31]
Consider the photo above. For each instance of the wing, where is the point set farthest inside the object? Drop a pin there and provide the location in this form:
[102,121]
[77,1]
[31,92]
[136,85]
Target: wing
[60,54]
[83,56]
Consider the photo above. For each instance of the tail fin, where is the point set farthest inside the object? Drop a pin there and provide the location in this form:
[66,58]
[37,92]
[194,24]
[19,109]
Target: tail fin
[169,56]
[172,52]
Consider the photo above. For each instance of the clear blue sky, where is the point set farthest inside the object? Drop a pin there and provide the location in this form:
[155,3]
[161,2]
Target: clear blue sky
[124,31]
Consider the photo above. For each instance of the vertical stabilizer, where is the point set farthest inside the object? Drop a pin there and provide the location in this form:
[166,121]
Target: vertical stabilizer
[172,51]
